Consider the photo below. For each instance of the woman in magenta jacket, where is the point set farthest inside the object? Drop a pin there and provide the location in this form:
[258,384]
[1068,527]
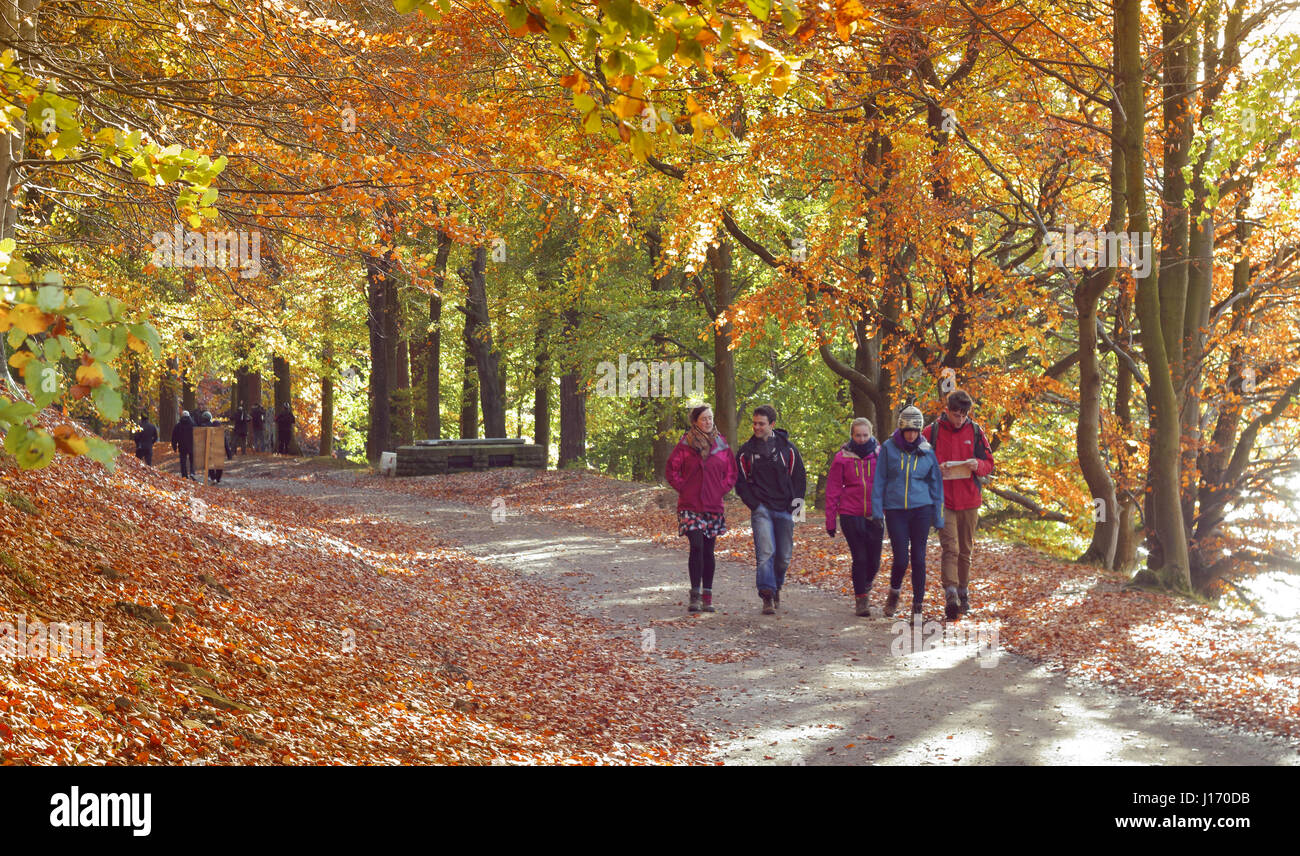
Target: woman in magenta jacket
[702,470]
[848,494]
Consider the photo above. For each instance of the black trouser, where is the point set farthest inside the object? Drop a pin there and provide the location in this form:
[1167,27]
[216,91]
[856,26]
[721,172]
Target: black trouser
[865,537]
[145,454]
[187,461]
[908,531]
[701,561]
[283,441]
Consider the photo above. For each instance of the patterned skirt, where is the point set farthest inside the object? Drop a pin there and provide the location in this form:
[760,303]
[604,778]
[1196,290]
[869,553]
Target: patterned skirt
[711,523]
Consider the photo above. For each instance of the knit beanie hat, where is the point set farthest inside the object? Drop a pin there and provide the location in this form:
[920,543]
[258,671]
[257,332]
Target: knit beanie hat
[911,417]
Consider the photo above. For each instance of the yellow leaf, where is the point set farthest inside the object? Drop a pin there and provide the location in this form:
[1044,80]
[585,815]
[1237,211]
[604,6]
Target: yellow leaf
[91,375]
[20,359]
[626,108]
[27,318]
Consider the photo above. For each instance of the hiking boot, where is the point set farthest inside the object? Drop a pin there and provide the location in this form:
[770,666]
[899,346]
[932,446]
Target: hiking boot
[706,602]
[861,608]
[891,602]
[695,604]
[963,602]
[768,608]
[916,610]
[951,606]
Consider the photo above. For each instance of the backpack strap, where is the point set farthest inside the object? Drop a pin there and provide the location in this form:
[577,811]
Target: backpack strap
[982,449]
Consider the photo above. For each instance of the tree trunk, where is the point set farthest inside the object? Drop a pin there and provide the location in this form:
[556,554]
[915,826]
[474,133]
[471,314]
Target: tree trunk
[469,398]
[573,407]
[327,401]
[1127,539]
[18,19]
[541,387]
[724,360]
[189,395]
[478,337]
[379,435]
[433,369]
[133,386]
[1087,297]
[284,396]
[665,416]
[167,414]
[399,366]
[573,420]
[1169,557]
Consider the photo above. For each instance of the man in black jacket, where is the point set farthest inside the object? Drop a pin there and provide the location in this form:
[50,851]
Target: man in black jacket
[183,442]
[284,429]
[772,483]
[258,417]
[144,440]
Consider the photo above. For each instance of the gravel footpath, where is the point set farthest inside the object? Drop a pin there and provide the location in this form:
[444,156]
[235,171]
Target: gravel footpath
[814,684]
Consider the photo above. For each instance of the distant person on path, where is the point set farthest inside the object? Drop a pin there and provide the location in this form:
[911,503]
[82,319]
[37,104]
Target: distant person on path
[771,480]
[242,421]
[908,495]
[702,471]
[183,443]
[205,421]
[144,440]
[258,419]
[960,446]
[284,421]
[848,494]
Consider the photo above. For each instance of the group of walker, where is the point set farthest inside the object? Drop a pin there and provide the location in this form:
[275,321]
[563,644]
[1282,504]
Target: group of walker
[921,477]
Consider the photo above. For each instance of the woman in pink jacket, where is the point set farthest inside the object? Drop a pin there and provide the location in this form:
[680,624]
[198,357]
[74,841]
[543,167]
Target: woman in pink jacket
[848,494]
[702,470]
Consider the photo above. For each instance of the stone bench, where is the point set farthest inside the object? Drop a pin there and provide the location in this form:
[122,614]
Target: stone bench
[425,460]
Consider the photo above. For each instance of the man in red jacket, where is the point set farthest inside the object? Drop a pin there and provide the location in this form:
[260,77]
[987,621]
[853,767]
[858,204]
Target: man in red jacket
[964,457]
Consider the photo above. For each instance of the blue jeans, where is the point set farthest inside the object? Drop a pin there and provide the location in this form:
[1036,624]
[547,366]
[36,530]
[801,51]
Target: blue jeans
[773,541]
[909,529]
[865,537]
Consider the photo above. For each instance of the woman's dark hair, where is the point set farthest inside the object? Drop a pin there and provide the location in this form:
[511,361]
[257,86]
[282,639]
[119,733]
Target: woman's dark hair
[696,411]
[767,411]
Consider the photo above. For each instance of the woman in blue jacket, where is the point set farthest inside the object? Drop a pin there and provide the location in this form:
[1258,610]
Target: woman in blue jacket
[908,494]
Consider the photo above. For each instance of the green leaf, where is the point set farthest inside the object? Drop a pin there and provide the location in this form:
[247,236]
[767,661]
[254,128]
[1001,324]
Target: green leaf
[667,47]
[762,9]
[43,383]
[33,448]
[108,402]
[102,451]
[97,309]
[49,298]
[516,15]
[789,19]
[146,333]
[16,337]
[12,412]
